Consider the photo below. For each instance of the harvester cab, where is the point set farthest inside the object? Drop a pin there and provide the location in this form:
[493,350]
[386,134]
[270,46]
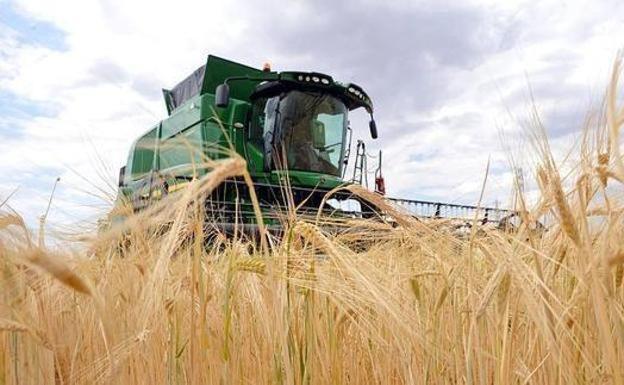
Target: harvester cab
[300,120]
[290,127]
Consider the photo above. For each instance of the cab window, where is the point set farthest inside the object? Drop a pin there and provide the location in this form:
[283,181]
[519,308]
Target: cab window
[184,148]
[262,119]
[258,116]
[143,155]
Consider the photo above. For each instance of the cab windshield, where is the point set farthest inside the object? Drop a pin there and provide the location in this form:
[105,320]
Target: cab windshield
[313,127]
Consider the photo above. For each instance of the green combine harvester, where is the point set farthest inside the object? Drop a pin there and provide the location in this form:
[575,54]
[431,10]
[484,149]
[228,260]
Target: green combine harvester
[291,127]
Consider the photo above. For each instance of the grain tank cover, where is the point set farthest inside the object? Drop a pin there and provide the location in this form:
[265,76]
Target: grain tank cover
[184,90]
[206,78]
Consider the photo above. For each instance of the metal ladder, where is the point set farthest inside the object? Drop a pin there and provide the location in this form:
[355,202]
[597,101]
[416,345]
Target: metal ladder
[360,167]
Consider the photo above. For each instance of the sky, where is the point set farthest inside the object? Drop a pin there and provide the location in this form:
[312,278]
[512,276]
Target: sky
[452,83]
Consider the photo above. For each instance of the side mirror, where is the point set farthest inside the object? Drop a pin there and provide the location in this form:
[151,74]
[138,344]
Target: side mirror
[122,176]
[373,128]
[222,95]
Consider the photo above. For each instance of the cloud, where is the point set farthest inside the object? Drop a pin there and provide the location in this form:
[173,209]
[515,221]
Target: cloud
[405,56]
[446,78]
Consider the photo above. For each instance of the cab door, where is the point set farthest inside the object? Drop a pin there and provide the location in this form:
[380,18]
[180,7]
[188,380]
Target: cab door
[141,166]
[180,160]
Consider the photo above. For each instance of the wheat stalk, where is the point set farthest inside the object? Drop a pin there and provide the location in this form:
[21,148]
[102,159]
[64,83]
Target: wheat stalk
[254,265]
[12,326]
[57,268]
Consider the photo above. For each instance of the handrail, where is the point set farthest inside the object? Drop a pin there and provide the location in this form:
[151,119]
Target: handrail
[431,209]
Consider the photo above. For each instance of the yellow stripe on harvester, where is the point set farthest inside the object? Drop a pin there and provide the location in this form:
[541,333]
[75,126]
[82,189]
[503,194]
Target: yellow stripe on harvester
[177,186]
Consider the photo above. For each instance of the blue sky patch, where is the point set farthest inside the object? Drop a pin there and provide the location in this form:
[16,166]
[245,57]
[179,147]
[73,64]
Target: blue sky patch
[31,31]
[18,107]
[14,109]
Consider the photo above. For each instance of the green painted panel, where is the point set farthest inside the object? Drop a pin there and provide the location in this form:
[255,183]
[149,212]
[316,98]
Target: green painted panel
[143,155]
[182,118]
[219,69]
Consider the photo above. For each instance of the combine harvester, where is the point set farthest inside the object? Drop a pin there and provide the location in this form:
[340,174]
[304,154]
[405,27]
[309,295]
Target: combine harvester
[292,128]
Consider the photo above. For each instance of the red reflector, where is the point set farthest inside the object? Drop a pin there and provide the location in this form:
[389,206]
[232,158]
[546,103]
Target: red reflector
[380,185]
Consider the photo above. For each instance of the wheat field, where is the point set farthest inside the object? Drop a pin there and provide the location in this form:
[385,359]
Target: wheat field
[151,302]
